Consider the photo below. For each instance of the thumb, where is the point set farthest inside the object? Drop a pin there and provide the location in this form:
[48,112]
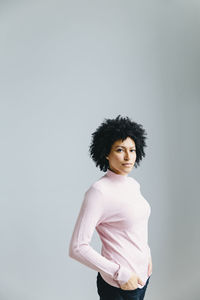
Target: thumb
[140,281]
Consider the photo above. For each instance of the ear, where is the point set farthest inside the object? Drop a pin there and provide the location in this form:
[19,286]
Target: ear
[107,157]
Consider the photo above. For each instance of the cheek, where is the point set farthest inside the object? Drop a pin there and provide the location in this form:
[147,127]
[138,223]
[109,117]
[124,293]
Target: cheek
[117,156]
[117,160]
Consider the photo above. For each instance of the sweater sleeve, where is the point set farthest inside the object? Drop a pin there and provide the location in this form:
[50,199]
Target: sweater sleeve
[91,214]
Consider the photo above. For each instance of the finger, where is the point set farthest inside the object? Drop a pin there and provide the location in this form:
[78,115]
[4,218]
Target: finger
[140,281]
[123,286]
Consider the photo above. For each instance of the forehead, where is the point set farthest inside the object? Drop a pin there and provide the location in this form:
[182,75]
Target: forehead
[128,142]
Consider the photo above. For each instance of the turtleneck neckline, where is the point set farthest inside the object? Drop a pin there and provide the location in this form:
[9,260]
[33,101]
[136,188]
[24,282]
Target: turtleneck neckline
[115,176]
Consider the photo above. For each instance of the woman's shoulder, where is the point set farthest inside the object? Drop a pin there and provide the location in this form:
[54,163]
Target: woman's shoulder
[100,186]
[134,181]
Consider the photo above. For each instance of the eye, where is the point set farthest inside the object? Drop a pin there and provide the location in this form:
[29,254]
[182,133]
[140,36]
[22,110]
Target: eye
[119,150]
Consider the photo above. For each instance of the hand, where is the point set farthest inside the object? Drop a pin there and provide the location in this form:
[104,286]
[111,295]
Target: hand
[132,284]
[150,267]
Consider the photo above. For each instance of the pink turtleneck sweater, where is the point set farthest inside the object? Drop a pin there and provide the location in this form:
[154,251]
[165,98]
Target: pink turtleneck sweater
[115,207]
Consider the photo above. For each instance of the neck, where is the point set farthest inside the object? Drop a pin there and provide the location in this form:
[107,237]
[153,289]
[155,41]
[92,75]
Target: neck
[118,177]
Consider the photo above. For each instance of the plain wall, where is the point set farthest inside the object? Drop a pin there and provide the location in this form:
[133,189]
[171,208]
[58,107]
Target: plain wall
[65,66]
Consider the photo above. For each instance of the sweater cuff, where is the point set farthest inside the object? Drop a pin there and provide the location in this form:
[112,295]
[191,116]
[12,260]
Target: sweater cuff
[122,275]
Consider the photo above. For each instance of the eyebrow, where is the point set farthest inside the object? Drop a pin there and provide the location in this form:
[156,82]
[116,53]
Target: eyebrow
[122,146]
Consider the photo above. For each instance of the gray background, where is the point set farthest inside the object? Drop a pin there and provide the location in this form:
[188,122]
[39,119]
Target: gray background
[65,66]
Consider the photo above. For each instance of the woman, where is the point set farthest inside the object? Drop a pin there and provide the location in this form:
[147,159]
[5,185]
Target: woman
[114,206]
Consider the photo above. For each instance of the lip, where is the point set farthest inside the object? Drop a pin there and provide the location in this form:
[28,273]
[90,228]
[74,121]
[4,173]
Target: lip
[127,164]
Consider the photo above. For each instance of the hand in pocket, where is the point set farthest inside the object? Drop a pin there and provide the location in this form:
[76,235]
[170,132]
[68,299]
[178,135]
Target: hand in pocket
[132,284]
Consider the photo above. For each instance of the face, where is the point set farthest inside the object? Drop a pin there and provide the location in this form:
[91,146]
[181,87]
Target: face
[121,153]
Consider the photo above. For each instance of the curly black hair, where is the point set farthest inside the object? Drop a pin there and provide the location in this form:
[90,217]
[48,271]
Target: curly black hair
[112,130]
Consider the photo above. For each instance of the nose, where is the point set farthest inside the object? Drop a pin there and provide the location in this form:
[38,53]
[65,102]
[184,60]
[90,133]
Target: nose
[127,156]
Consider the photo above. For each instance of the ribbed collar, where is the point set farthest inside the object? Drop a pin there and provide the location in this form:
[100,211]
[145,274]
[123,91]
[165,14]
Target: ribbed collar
[115,176]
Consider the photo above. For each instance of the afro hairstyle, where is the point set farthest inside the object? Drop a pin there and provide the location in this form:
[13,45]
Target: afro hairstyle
[112,130]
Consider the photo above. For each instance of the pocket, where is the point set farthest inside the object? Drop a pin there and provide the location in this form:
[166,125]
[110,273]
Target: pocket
[134,292]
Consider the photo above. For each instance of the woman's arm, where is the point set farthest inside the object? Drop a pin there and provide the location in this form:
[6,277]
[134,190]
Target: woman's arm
[90,215]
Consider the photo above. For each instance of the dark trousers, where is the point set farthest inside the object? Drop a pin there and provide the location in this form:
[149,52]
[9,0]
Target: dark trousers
[109,292]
